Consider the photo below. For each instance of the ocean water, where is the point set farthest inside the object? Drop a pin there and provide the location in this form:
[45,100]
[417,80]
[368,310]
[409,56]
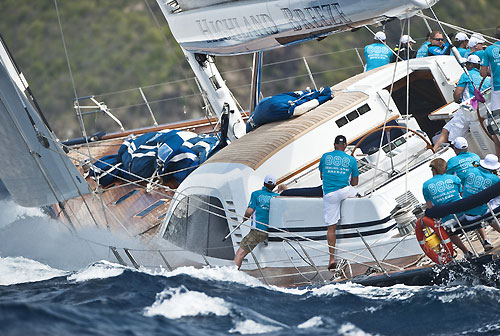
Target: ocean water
[102,298]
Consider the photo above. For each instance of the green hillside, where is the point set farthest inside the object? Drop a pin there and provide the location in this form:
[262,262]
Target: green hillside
[116,47]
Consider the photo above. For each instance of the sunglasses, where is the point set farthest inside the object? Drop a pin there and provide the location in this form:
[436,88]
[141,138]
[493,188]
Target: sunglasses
[438,39]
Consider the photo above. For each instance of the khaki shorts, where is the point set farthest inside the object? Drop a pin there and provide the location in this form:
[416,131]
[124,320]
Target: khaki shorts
[252,239]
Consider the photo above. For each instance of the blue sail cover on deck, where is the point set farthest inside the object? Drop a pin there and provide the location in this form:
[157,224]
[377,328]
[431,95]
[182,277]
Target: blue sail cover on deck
[282,106]
[171,152]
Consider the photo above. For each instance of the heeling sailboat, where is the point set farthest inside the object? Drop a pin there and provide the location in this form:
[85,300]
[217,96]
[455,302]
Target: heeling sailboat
[185,224]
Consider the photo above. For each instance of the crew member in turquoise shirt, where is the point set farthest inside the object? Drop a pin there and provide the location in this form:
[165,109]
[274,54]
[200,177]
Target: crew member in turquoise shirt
[423,51]
[459,164]
[259,206]
[465,87]
[491,63]
[378,54]
[443,188]
[438,47]
[461,41]
[339,172]
[476,46]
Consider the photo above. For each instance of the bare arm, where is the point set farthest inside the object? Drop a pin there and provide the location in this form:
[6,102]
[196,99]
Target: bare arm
[457,94]
[248,213]
[428,204]
[484,71]
[354,181]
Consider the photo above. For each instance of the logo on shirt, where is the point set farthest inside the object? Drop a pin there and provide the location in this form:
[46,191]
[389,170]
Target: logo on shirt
[265,201]
[440,186]
[336,160]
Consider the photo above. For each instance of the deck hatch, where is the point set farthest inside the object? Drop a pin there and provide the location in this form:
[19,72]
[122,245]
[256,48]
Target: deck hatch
[150,208]
[127,195]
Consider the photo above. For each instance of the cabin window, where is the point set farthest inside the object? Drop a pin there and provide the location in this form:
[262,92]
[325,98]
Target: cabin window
[363,109]
[341,122]
[352,115]
[199,224]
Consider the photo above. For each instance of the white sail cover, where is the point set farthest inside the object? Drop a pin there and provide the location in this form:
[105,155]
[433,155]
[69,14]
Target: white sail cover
[33,167]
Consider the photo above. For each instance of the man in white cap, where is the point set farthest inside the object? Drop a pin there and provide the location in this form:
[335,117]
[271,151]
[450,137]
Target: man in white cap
[491,63]
[459,164]
[405,50]
[476,46]
[465,86]
[477,179]
[258,208]
[339,173]
[377,54]
[461,40]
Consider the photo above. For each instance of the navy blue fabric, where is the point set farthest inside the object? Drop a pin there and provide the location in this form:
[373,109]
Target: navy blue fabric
[170,151]
[282,106]
[304,192]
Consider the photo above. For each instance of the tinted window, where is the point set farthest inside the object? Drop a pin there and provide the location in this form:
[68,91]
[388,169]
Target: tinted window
[352,115]
[341,122]
[363,109]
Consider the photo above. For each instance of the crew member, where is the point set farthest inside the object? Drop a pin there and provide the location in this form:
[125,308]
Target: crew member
[377,54]
[258,207]
[491,63]
[438,47]
[477,179]
[443,188]
[465,86]
[339,173]
[461,41]
[405,50]
[459,164]
[476,45]
[423,51]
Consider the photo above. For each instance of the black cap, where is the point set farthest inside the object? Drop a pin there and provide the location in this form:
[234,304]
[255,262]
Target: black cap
[340,140]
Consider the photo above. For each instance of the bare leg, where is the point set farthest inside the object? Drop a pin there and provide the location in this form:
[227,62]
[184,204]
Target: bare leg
[495,226]
[443,137]
[458,242]
[332,239]
[239,256]
[482,233]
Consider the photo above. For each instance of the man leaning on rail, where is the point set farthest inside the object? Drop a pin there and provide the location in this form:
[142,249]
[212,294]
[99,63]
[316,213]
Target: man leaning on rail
[339,173]
[260,201]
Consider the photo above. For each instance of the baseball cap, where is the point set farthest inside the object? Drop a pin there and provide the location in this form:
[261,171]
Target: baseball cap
[479,37]
[474,59]
[490,162]
[340,140]
[475,40]
[270,179]
[460,142]
[405,39]
[380,36]
[461,37]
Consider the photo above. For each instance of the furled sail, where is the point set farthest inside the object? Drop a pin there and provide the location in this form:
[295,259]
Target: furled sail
[33,166]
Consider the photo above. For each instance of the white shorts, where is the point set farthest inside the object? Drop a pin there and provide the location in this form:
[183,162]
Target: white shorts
[495,100]
[332,201]
[458,126]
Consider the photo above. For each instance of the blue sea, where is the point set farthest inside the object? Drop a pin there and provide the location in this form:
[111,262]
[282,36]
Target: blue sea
[39,297]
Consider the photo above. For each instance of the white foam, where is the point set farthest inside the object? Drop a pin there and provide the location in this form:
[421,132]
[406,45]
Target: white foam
[225,273]
[21,270]
[99,270]
[311,323]
[396,292]
[252,327]
[175,303]
[12,212]
[349,329]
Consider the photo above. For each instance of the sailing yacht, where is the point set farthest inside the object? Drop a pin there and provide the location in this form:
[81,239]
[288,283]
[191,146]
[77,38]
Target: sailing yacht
[388,115]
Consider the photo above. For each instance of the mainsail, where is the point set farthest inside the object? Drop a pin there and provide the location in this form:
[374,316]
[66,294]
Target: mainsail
[33,166]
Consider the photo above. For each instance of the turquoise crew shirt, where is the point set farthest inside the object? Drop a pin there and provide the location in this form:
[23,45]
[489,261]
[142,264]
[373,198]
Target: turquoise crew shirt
[463,52]
[458,165]
[423,51]
[491,58]
[466,83]
[260,201]
[377,55]
[476,180]
[442,189]
[337,168]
